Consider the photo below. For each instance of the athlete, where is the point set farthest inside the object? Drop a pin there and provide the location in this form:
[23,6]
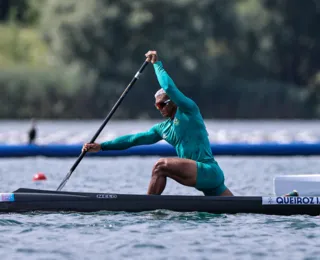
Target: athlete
[184,129]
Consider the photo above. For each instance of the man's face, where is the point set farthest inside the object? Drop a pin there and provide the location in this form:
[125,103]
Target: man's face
[164,105]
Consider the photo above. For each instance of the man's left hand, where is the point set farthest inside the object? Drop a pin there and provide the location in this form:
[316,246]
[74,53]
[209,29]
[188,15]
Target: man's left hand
[152,56]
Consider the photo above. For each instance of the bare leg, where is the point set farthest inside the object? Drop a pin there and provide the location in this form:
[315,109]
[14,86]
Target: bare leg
[157,184]
[183,171]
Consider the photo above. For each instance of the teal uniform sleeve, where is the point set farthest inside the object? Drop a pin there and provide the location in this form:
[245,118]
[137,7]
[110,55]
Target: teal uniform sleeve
[127,141]
[165,81]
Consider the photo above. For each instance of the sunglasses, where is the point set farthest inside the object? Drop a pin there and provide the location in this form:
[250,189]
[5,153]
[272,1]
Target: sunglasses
[161,105]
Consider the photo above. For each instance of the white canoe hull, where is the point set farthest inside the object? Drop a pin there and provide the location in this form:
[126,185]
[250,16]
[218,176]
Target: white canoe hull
[306,185]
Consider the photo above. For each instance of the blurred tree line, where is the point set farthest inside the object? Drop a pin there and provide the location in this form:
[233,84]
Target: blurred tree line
[235,58]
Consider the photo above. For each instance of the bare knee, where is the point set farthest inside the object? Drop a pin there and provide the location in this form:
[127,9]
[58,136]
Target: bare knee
[160,167]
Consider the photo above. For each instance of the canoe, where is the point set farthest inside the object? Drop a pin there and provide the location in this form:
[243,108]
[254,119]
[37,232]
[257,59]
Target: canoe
[30,200]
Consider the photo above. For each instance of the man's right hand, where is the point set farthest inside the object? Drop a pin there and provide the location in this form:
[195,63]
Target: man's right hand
[91,147]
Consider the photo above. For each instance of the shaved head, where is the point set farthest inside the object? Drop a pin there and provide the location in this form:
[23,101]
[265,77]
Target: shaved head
[160,92]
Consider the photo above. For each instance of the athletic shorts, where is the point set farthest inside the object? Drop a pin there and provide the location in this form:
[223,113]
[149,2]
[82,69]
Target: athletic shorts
[210,179]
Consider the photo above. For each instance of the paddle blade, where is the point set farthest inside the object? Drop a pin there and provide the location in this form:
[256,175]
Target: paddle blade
[64,181]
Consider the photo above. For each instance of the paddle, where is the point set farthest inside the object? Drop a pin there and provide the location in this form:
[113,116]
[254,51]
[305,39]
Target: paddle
[125,92]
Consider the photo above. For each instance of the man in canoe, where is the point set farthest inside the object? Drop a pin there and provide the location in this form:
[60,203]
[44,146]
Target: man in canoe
[184,129]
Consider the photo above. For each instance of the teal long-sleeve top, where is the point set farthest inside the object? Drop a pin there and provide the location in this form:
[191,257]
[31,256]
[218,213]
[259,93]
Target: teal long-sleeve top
[186,131]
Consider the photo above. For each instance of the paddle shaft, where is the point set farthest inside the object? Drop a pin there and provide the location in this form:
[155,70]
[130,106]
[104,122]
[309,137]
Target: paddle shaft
[117,104]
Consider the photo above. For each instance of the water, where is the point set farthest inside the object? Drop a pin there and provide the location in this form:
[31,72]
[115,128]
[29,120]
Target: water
[220,131]
[159,234]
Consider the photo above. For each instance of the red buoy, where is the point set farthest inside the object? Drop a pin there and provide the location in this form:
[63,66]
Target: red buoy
[39,177]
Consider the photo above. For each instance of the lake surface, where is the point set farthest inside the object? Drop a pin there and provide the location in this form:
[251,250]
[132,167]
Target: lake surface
[158,234]
[220,131]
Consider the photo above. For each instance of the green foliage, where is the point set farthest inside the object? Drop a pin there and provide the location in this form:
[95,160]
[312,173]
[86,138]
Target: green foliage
[235,58]
[27,92]
[21,46]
